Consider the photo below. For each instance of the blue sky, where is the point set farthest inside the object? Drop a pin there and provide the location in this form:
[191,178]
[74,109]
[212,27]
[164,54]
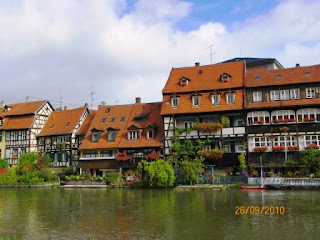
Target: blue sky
[126,48]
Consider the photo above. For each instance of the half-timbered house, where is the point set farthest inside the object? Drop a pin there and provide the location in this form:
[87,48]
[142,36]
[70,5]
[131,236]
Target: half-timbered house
[58,137]
[283,113]
[207,94]
[119,136]
[22,123]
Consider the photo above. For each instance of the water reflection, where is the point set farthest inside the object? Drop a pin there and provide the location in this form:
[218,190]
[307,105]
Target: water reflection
[155,214]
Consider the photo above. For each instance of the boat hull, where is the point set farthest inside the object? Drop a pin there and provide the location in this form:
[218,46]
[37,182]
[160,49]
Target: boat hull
[253,186]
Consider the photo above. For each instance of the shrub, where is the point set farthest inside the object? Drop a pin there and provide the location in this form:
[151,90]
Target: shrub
[3,163]
[208,127]
[214,154]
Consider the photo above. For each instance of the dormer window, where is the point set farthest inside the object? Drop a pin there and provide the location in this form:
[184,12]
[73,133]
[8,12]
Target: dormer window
[225,78]
[95,137]
[150,134]
[133,135]
[103,120]
[230,97]
[1,122]
[215,98]
[113,119]
[196,100]
[107,110]
[111,135]
[175,101]
[184,82]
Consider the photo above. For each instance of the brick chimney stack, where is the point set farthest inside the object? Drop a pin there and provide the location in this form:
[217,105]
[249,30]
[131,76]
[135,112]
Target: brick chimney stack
[138,100]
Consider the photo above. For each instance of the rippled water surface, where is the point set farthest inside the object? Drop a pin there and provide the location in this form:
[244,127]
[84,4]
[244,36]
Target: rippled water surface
[60,213]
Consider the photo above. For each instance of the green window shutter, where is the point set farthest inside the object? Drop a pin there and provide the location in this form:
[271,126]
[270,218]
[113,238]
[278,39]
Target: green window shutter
[51,156]
[59,156]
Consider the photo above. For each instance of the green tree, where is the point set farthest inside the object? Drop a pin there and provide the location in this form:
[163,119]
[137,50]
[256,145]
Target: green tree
[3,163]
[242,160]
[311,157]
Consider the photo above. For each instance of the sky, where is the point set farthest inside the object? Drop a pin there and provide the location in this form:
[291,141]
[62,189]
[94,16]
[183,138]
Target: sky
[73,52]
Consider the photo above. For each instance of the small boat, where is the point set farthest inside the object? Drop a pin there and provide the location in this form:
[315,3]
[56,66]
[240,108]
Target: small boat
[253,186]
[275,186]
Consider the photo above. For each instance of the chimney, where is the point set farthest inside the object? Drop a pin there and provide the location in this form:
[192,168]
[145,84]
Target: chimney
[103,103]
[138,100]
[1,104]
[297,65]
[65,108]
[197,64]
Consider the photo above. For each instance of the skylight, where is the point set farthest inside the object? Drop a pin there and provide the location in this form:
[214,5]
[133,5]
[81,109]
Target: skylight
[308,73]
[257,77]
[279,76]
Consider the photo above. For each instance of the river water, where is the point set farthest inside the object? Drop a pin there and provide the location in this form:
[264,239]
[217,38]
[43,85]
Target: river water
[74,213]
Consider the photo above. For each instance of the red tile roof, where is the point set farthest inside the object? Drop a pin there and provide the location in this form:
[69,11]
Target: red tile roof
[205,77]
[129,112]
[17,122]
[24,108]
[296,75]
[62,122]
[85,126]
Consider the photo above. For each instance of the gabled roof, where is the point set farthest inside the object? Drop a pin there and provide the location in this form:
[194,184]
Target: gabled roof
[296,75]
[25,108]
[17,122]
[62,122]
[86,124]
[205,77]
[151,113]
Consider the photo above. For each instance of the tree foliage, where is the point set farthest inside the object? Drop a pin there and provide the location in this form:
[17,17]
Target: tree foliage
[3,163]
[311,157]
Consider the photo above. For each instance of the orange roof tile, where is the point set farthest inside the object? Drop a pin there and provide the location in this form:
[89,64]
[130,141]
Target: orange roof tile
[17,122]
[205,77]
[296,75]
[185,103]
[151,112]
[62,122]
[130,114]
[86,124]
[24,108]
[280,104]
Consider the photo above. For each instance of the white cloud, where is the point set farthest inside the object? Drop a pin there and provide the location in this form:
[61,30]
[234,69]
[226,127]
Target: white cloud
[48,47]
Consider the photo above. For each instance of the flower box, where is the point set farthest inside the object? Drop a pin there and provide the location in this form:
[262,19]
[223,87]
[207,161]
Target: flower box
[258,122]
[286,120]
[214,154]
[314,146]
[260,149]
[293,148]
[278,148]
[122,156]
[208,127]
[309,119]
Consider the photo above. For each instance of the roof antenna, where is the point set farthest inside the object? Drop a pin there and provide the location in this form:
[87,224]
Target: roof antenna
[211,53]
[116,102]
[92,94]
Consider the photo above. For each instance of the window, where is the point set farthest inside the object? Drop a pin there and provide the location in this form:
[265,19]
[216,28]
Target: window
[15,136]
[285,141]
[196,101]
[308,115]
[23,151]
[133,135]
[240,148]
[0,138]
[24,135]
[8,136]
[274,95]
[183,82]
[51,126]
[1,122]
[95,137]
[258,117]
[310,92]
[283,116]
[225,78]
[14,153]
[107,153]
[150,134]
[188,124]
[295,93]
[107,110]
[215,99]
[226,148]
[174,102]
[122,119]
[111,136]
[206,147]
[113,119]
[284,94]
[306,140]
[259,142]
[239,123]
[230,98]
[257,96]
[68,123]
[62,139]
[89,154]
[103,120]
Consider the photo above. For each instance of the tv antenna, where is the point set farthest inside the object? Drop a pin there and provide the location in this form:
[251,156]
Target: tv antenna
[116,102]
[211,53]
[92,93]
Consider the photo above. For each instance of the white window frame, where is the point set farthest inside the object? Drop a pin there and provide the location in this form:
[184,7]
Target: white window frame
[174,102]
[285,141]
[8,136]
[24,135]
[257,96]
[196,101]
[239,123]
[306,140]
[274,95]
[188,124]
[310,92]
[283,114]
[308,113]
[150,134]
[1,122]
[295,93]
[133,135]
[240,148]
[230,98]
[259,142]
[226,148]
[215,99]
[284,94]
[15,136]
[258,116]
[111,135]
[95,137]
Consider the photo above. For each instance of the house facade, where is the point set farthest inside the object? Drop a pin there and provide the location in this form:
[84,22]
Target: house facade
[58,138]
[212,94]
[21,124]
[283,113]
[120,136]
